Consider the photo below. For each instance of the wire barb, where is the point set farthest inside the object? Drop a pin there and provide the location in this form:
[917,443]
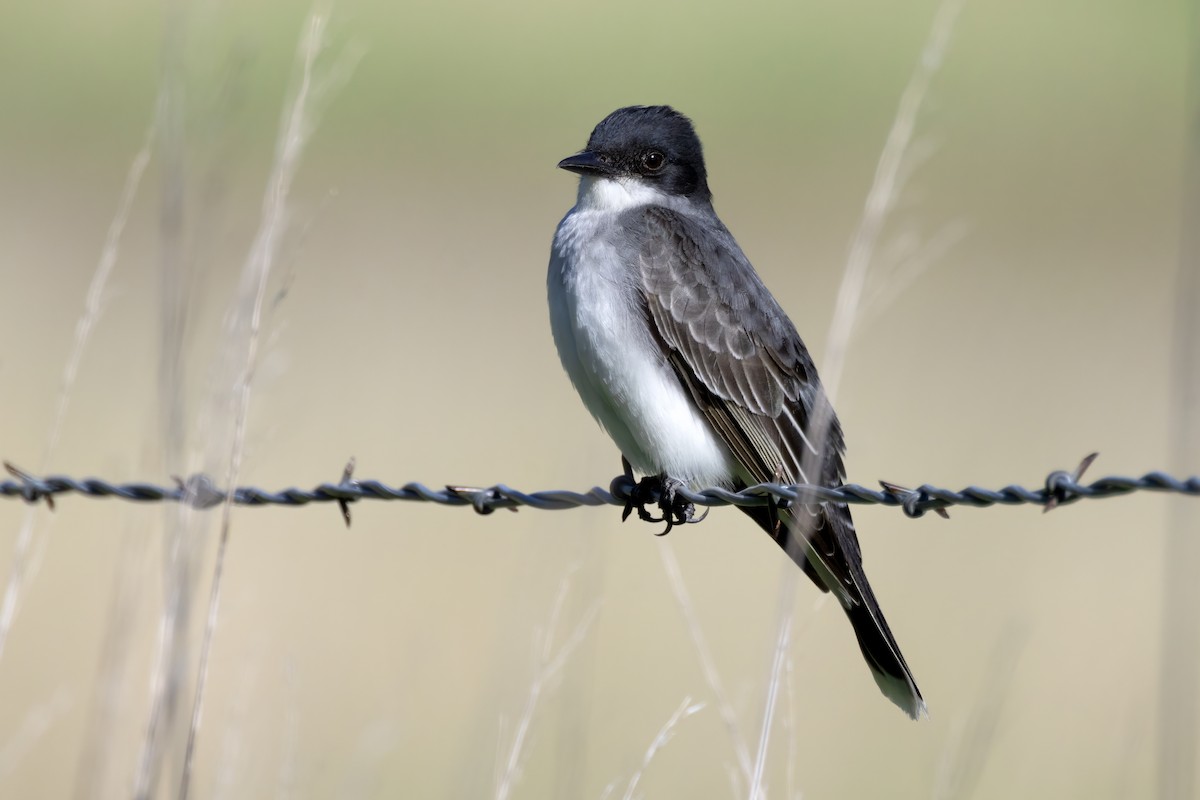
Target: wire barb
[31,489]
[199,491]
[347,480]
[1058,483]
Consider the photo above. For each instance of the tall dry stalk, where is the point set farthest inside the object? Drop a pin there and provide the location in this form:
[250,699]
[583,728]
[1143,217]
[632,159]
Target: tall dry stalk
[881,199]
[93,307]
[686,709]
[179,549]
[708,664]
[244,332]
[549,666]
[1179,653]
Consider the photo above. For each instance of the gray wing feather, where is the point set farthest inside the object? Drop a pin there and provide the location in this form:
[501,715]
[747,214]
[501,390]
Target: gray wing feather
[710,307]
[744,363]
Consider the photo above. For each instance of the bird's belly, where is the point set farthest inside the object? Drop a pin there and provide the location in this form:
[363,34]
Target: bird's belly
[622,376]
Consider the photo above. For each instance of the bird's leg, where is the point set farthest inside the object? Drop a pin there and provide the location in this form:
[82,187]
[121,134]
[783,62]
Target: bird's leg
[663,491]
[773,506]
[646,491]
[676,509]
[643,491]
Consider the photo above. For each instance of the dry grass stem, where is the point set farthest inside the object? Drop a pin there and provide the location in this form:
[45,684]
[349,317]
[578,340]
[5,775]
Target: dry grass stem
[548,668]
[970,741]
[685,710]
[881,199]
[883,194]
[98,771]
[93,306]
[1179,656]
[34,726]
[789,721]
[758,790]
[244,329]
[707,664]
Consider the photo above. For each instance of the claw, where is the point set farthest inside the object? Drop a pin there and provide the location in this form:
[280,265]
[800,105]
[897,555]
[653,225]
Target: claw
[647,490]
[662,491]
[628,469]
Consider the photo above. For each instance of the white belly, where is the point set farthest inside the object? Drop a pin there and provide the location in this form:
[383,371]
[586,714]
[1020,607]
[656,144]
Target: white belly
[617,367]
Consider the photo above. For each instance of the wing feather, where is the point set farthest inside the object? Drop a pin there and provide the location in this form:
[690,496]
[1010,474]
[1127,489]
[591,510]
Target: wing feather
[735,350]
[743,363]
[725,330]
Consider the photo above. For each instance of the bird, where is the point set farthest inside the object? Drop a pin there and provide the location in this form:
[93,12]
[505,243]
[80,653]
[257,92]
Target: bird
[692,367]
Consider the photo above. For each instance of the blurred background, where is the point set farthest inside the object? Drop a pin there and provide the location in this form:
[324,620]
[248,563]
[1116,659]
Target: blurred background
[1018,316]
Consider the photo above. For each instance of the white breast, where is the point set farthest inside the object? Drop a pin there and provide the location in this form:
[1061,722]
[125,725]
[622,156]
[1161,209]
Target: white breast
[608,350]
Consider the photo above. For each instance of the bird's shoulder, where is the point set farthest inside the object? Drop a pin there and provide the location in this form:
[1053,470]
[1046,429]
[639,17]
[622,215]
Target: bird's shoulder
[708,301]
[731,344]
[690,246]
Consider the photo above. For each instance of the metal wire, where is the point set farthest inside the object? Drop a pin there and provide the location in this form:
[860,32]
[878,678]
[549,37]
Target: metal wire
[1060,488]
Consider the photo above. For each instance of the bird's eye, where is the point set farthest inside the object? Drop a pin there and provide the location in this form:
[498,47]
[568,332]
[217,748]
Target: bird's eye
[654,161]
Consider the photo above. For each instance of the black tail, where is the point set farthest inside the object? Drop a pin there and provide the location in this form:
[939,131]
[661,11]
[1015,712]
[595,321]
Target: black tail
[833,561]
[883,655]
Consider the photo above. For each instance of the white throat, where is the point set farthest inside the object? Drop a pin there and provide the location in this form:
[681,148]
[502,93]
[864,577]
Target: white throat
[615,195]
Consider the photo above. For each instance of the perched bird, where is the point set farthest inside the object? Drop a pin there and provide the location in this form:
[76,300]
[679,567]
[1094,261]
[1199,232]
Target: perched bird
[686,360]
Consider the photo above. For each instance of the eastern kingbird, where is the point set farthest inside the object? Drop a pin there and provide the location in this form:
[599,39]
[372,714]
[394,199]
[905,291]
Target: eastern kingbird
[687,361]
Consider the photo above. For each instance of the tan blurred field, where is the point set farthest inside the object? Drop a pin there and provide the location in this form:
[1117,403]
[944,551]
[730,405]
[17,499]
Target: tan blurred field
[405,324]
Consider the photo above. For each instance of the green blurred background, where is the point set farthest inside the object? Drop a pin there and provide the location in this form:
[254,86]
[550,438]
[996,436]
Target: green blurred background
[1019,318]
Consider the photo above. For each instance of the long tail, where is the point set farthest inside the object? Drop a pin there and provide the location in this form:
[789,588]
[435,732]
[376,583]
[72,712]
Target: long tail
[883,655]
[833,560]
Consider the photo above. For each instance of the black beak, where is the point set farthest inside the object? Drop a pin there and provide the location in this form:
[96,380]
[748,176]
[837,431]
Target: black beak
[586,163]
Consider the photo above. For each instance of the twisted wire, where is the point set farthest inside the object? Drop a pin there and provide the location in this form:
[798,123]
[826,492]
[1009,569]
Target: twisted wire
[1059,488]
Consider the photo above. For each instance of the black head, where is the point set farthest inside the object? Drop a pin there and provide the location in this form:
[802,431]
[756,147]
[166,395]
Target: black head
[655,144]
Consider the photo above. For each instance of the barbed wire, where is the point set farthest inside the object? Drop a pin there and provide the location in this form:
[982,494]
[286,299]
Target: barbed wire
[199,491]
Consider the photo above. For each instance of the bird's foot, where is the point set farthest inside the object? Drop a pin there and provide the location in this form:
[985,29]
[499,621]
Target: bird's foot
[662,491]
